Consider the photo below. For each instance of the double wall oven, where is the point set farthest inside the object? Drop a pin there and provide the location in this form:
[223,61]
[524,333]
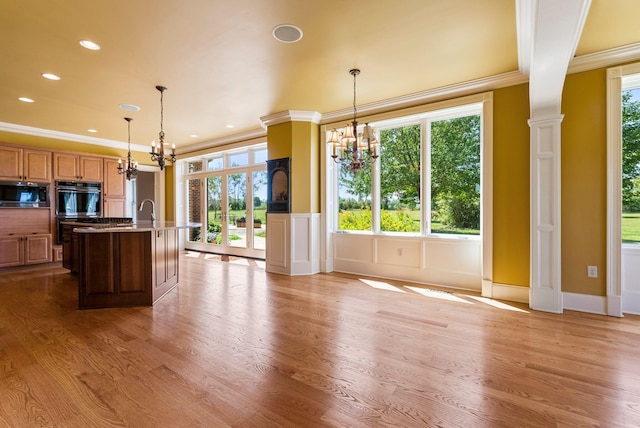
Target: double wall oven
[77,201]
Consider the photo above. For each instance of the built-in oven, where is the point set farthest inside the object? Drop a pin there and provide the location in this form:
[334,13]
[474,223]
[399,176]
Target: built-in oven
[76,201]
[23,194]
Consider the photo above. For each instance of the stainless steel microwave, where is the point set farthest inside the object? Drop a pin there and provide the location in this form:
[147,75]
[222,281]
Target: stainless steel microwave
[24,195]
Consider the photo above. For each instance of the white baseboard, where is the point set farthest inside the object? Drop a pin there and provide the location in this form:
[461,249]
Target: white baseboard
[513,293]
[584,303]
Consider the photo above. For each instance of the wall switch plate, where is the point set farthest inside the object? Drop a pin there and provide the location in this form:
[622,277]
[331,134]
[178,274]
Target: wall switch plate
[592,271]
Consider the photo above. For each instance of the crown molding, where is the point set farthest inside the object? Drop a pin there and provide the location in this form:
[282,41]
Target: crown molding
[438,94]
[605,58]
[65,136]
[223,141]
[291,116]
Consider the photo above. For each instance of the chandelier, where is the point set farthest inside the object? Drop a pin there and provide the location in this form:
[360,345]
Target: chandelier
[157,152]
[132,166]
[349,148]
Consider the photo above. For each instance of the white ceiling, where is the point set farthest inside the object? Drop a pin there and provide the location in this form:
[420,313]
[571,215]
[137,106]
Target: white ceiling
[222,66]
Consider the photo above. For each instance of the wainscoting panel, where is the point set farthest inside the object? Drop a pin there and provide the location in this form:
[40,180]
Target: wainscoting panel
[293,243]
[455,263]
[277,254]
[631,279]
[305,244]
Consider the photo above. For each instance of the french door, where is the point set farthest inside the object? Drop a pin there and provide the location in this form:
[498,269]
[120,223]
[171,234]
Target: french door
[231,207]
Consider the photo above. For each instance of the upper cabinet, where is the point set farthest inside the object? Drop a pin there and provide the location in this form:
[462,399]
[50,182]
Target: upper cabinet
[69,166]
[114,182]
[24,164]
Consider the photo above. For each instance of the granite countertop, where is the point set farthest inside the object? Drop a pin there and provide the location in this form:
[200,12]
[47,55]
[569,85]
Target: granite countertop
[141,226]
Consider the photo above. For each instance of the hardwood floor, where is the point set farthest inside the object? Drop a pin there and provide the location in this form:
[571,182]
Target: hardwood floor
[234,346]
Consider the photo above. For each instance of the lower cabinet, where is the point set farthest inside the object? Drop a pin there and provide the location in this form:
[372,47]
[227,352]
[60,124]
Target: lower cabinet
[25,249]
[165,261]
[119,269]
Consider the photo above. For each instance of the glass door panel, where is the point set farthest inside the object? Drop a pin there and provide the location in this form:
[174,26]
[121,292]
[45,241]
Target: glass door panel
[237,203]
[215,214]
[194,203]
[259,186]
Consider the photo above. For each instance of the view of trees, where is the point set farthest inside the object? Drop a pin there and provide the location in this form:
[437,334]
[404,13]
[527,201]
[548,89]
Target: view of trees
[630,153]
[455,180]
[455,172]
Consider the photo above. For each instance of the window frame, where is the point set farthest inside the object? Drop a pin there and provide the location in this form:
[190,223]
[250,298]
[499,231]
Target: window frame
[424,119]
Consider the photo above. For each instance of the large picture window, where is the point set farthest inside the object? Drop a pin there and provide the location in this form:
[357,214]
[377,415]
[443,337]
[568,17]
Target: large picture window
[426,181]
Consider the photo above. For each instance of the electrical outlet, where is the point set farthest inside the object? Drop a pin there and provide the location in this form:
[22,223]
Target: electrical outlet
[592,271]
[399,251]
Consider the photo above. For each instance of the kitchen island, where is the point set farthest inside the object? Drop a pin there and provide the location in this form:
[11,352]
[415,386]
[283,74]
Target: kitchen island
[127,265]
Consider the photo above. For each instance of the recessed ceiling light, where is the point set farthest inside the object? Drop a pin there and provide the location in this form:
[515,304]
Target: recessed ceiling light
[25,99]
[287,33]
[129,107]
[91,130]
[231,126]
[194,135]
[90,45]
[50,76]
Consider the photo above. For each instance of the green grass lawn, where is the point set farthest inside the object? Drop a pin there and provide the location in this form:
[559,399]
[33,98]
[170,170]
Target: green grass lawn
[631,227]
[259,213]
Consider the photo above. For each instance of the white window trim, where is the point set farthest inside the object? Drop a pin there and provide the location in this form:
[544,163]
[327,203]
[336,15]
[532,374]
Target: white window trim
[330,188]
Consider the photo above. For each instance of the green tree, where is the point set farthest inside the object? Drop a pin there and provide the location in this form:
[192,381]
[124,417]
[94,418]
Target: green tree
[455,171]
[630,152]
[400,166]
[356,184]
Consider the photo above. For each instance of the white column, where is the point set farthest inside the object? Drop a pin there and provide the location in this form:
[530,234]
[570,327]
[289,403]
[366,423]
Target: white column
[545,291]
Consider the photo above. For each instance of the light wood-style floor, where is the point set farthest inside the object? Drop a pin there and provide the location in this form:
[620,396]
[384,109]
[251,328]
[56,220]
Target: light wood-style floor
[234,346]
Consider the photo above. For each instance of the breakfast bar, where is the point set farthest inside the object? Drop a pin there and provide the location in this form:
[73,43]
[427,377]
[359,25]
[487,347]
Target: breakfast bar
[126,265]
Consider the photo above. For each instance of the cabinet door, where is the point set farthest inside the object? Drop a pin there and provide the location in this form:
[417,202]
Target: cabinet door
[90,169]
[37,249]
[66,166]
[37,165]
[11,253]
[114,207]
[10,163]
[114,182]
[160,258]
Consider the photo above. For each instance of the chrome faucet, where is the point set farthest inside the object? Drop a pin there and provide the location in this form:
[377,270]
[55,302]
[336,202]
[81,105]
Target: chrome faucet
[153,208]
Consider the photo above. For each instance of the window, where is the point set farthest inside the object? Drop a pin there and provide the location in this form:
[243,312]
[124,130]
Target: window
[426,181]
[215,164]
[631,165]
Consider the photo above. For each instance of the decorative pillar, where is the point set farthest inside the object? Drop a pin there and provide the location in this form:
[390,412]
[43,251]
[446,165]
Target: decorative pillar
[293,238]
[545,292]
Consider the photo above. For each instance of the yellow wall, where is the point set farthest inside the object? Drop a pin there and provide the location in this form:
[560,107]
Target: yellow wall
[511,186]
[300,142]
[169,193]
[584,182]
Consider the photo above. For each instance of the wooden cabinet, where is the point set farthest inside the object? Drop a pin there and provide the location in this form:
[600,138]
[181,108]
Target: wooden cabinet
[73,167]
[20,164]
[25,236]
[114,182]
[114,207]
[25,249]
[57,253]
[126,268]
[114,190]
[165,261]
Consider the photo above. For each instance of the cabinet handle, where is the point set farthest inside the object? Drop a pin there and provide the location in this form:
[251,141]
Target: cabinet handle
[11,234]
